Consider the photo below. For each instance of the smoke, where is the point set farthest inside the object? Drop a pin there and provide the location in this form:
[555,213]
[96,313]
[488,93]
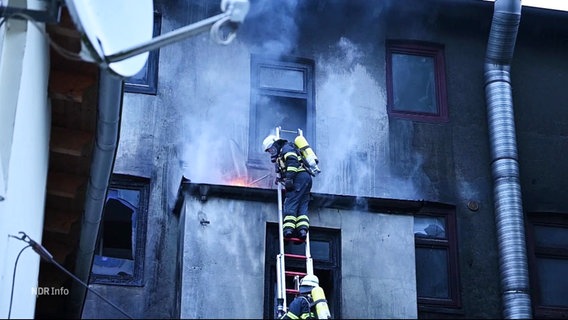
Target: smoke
[216,115]
[352,126]
[271,27]
[348,157]
[216,137]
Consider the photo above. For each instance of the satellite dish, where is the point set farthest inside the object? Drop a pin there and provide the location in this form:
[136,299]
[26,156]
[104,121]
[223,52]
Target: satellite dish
[111,26]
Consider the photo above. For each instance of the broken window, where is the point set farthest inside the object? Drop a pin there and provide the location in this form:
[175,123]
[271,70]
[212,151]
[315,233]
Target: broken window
[119,253]
[437,273]
[281,95]
[416,85]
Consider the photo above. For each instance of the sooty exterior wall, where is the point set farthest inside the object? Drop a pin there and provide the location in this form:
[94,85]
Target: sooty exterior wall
[197,124]
[223,250]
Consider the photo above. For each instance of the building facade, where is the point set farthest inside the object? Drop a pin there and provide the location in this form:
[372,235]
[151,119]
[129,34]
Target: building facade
[417,204]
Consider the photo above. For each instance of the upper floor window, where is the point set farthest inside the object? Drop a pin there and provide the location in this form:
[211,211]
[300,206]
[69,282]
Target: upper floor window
[437,273]
[416,81]
[119,254]
[547,246]
[281,95]
[146,80]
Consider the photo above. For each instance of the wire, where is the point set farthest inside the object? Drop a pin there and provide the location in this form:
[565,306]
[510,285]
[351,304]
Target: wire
[88,288]
[42,251]
[59,49]
[14,279]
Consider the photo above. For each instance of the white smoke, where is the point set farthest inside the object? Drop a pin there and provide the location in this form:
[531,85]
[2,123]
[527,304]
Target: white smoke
[274,24]
[352,125]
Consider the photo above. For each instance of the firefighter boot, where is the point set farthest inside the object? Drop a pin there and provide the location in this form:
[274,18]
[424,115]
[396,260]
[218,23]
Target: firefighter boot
[289,225]
[302,226]
[303,233]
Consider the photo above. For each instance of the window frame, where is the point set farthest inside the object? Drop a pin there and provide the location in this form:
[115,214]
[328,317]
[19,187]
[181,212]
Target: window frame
[119,181]
[425,49]
[437,305]
[547,219]
[146,80]
[330,267]
[256,159]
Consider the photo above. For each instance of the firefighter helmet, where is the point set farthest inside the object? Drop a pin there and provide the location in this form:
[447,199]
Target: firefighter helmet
[268,142]
[308,283]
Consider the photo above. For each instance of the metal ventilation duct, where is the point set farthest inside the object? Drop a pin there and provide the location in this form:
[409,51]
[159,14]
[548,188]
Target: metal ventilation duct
[504,161]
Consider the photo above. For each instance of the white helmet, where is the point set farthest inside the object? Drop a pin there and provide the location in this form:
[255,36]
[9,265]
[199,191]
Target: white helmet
[308,283]
[269,141]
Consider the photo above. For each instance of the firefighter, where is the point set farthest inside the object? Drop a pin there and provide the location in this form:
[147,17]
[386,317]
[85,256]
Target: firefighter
[302,305]
[297,182]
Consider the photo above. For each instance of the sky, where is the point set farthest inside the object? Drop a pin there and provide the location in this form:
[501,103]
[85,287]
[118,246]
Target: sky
[546,4]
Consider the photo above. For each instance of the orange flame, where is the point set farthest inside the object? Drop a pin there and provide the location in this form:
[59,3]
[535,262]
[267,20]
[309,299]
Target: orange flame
[242,182]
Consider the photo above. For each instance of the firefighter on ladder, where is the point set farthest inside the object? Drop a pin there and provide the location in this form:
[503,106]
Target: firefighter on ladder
[297,182]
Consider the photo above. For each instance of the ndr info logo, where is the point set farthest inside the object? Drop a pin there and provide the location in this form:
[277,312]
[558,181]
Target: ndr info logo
[50,291]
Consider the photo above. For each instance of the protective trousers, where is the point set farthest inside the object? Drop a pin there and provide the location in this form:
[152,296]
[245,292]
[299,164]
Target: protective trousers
[296,202]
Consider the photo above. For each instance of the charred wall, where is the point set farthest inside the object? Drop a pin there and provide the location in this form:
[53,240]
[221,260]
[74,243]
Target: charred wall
[197,127]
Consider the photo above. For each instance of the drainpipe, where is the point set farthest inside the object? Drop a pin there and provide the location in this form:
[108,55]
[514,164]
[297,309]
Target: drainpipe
[106,142]
[504,161]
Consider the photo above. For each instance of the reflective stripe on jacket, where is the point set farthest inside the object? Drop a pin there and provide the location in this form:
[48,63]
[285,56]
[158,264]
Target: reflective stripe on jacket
[290,161]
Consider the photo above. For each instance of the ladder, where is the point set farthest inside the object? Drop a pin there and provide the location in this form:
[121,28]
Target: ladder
[281,273]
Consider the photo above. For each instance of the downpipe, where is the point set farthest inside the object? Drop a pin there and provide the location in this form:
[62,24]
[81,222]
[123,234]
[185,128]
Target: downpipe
[504,161]
[104,154]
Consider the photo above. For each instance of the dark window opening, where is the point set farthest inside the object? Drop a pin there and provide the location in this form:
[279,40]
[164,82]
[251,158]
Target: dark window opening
[281,95]
[325,252]
[547,247]
[289,113]
[119,253]
[416,82]
[118,228]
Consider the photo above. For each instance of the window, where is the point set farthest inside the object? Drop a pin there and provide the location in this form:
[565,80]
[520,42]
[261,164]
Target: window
[325,251]
[416,81]
[281,95]
[119,254]
[547,247]
[437,284]
[146,80]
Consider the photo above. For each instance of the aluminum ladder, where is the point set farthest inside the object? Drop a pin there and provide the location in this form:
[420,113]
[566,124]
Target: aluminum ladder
[281,274]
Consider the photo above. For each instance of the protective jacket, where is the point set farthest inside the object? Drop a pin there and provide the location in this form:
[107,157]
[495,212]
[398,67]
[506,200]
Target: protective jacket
[300,308]
[290,161]
[298,184]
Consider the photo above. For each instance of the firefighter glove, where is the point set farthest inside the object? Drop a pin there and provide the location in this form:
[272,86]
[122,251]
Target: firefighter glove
[289,184]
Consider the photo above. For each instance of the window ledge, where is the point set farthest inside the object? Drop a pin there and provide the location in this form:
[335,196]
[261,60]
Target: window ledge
[441,310]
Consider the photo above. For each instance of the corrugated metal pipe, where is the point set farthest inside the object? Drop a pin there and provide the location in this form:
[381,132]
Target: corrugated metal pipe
[504,161]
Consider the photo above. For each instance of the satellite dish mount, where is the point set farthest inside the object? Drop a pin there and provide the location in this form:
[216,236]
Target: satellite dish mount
[117,34]
[52,14]
[234,13]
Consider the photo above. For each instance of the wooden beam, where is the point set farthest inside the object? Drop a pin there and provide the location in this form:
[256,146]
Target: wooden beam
[60,221]
[70,142]
[64,185]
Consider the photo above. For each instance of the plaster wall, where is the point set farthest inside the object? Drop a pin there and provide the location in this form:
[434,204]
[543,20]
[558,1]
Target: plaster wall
[225,258]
